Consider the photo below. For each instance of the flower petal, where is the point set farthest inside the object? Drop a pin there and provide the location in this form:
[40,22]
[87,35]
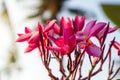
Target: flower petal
[49,25]
[59,41]
[97,28]
[27,30]
[68,30]
[30,47]
[88,27]
[76,22]
[79,23]
[93,50]
[72,43]
[56,29]
[63,51]
[116,45]
[40,27]
[34,38]
[20,34]
[61,25]
[79,37]
[24,37]
[112,29]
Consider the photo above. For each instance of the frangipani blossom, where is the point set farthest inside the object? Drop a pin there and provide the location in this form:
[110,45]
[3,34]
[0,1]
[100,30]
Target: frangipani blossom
[26,36]
[91,29]
[33,37]
[67,35]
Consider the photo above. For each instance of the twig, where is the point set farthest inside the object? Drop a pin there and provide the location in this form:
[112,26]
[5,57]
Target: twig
[94,73]
[80,75]
[50,73]
[90,72]
[90,60]
[115,73]
[77,64]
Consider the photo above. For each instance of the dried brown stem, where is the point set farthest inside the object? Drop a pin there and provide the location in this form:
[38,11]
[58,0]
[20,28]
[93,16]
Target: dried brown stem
[69,63]
[115,73]
[90,60]
[50,73]
[62,69]
[77,64]
[80,68]
[111,71]
[94,73]
[90,72]
[109,65]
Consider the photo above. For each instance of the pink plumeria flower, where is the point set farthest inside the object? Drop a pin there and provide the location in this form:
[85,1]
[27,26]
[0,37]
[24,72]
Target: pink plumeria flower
[83,37]
[66,43]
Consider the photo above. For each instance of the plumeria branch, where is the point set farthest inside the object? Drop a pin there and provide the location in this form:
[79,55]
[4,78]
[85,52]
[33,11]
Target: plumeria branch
[72,38]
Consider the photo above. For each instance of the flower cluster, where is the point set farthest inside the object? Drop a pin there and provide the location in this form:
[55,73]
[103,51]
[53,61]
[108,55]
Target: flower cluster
[69,37]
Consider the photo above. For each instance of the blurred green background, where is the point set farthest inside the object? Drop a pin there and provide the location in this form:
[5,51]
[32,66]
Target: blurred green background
[112,11]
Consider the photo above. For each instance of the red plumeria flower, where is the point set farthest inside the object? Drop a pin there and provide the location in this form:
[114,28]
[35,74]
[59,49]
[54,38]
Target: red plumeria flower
[117,46]
[66,43]
[33,37]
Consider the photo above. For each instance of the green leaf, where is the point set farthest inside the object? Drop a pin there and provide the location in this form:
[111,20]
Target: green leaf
[112,11]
